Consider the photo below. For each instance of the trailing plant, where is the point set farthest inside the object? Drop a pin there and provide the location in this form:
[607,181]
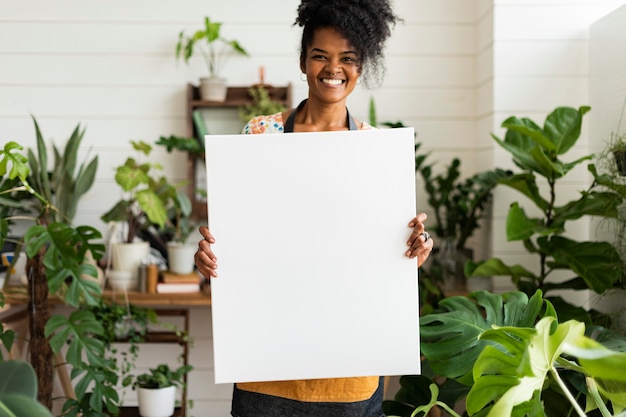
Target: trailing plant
[537,151]
[262,104]
[511,357]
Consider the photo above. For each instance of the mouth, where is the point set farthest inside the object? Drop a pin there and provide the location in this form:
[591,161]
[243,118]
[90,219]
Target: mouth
[332,81]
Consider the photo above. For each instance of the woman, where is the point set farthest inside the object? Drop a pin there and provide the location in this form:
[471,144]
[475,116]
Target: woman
[342,42]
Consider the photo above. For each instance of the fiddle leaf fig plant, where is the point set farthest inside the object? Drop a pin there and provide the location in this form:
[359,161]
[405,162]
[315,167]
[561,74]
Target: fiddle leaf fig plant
[539,153]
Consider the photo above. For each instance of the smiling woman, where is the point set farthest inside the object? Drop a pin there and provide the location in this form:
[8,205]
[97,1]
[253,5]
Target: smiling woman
[342,43]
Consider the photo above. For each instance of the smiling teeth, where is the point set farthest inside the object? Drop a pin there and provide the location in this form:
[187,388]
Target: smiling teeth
[332,82]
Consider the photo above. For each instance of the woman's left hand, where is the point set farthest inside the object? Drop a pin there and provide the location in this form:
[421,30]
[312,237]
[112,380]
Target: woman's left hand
[420,243]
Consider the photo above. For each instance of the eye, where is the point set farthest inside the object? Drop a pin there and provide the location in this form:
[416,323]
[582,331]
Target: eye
[349,60]
[319,57]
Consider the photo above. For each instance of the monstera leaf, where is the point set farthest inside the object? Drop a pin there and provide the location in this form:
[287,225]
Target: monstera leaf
[450,339]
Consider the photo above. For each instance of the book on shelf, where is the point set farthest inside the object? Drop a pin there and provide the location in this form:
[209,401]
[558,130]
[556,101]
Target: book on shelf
[183,287]
[174,278]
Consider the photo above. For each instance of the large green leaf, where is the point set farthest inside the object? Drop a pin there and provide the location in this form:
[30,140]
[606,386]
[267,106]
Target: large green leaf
[598,263]
[526,183]
[563,126]
[18,391]
[513,373]
[520,227]
[495,267]
[449,339]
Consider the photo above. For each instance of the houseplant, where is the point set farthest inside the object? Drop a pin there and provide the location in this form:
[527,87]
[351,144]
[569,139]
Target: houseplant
[215,50]
[509,355]
[57,264]
[156,389]
[594,265]
[262,104]
[18,391]
[143,209]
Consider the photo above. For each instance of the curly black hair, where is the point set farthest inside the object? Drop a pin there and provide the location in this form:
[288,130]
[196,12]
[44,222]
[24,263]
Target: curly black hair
[365,23]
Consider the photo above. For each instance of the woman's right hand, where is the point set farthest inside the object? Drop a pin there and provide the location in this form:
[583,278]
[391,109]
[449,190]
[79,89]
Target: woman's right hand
[205,259]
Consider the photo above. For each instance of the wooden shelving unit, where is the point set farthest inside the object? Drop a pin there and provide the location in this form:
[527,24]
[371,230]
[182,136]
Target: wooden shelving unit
[235,97]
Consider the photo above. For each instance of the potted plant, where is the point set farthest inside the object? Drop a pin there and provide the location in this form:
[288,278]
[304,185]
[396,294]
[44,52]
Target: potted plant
[262,104]
[147,195]
[180,225]
[508,355]
[156,389]
[590,264]
[215,50]
[57,264]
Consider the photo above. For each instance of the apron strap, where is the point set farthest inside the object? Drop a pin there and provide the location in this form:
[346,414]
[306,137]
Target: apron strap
[289,124]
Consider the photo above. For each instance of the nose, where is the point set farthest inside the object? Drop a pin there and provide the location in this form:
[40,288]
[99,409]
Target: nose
[334,67]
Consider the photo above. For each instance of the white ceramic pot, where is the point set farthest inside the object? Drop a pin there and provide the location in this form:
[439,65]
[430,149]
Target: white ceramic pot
[159,402]
[180,257]
[128,257]
[120,280]
[213,89]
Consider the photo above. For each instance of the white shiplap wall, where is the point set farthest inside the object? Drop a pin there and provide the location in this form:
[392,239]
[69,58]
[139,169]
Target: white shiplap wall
[456,69]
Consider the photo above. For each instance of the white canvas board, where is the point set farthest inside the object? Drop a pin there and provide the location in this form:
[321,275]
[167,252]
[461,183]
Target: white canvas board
[311,231]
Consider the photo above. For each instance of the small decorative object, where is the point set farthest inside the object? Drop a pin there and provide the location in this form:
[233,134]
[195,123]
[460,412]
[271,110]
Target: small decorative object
[215,50]
[156,390]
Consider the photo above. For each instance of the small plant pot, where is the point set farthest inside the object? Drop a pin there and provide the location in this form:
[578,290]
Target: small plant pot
[128,257]
[156,402]
[213,89]
[120,280]
[180,258]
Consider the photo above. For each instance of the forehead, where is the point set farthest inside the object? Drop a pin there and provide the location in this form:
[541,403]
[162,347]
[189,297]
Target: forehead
[330,39]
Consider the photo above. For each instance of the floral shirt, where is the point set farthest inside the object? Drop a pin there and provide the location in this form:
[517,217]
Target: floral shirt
[274,124]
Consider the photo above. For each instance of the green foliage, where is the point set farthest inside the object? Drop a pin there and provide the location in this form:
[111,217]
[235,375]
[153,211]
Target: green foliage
[449,338]
[515,359]
[459,204]
[62,249]
[162,376]
[262,104]
[148,195]
[6,336]
[67,182]
[538,153]
[18,391]
[212,46]
[190,145]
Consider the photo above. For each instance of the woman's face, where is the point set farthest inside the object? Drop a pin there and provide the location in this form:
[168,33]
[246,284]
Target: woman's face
[331,65]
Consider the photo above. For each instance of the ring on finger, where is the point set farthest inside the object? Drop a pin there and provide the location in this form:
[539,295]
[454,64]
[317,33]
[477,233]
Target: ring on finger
[426,236]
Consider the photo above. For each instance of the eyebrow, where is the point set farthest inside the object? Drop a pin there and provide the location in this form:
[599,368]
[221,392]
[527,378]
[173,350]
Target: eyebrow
[325,52]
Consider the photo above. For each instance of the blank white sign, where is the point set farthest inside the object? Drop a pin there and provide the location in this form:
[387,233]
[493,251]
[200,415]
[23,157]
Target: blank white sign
[311,231]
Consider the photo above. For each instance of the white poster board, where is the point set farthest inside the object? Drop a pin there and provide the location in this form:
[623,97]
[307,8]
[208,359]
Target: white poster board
[311,231]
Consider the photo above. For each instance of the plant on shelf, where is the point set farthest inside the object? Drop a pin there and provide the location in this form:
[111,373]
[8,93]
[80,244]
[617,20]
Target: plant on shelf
[215,50]
[58,265]
[593,265]
[262,104]
[511,357]
[183,144]
[156,389]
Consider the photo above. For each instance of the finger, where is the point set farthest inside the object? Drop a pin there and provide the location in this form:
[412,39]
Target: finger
[420,218]
[204,231]
[206,263]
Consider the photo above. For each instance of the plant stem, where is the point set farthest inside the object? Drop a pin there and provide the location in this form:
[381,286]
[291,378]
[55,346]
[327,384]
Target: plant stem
[567,393]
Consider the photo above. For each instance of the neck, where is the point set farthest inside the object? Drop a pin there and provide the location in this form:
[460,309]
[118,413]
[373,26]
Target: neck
[316,116]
